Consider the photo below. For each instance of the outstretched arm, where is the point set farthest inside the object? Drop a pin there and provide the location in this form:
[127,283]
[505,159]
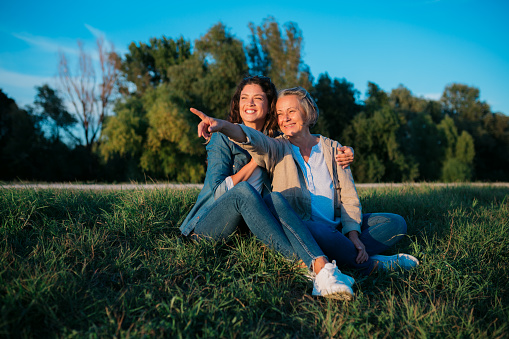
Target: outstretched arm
[210,125]
[265,151]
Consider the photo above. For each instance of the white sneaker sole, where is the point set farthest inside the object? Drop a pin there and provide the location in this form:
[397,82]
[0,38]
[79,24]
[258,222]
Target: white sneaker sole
[343,294]
[339,296]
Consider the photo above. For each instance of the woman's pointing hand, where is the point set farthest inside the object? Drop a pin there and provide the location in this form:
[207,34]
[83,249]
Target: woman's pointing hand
[208,125]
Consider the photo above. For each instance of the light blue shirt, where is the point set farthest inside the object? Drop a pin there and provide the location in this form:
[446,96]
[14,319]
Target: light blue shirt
[255,180]
[320,185]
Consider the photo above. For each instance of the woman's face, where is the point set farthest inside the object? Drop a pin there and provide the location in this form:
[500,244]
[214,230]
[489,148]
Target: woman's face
[253,105]
[290,116]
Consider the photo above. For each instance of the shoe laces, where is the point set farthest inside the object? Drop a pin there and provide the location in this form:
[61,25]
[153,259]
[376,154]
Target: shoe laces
[332,271]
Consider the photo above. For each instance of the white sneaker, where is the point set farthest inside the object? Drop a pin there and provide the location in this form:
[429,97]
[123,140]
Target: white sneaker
[348,280]
[331,283]
[405,261]
[345,278]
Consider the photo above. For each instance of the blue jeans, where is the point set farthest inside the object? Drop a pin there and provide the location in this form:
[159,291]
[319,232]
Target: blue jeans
[271,220]
[379,231]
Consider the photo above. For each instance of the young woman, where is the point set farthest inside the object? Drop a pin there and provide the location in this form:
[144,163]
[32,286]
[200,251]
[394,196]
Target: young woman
[322,193]
[233,187]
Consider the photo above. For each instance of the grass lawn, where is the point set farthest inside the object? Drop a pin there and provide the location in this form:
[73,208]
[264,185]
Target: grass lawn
[112,264]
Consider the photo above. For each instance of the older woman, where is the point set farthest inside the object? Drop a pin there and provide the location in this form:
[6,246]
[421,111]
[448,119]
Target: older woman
[322,193]
[233,187]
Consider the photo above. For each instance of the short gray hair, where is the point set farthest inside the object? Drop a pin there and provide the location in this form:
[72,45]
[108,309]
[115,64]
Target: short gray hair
[306,102]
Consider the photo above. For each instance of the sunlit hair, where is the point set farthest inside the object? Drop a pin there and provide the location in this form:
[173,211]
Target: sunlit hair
[270,91]
[307,103]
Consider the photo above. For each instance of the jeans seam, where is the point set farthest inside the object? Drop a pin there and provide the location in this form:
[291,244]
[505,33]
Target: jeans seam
[306,249]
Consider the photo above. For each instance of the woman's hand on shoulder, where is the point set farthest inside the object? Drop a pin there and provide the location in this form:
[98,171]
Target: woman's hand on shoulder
[208,125]
[344,156]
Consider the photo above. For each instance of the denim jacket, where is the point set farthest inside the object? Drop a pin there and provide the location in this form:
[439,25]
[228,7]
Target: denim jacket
[224,158]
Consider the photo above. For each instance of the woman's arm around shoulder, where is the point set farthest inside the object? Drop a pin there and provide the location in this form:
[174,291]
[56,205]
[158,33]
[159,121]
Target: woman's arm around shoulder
[351,213]
[344,156]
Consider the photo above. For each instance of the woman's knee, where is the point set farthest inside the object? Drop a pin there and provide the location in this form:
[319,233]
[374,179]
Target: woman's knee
[388,221]
[400,226]
[244,189]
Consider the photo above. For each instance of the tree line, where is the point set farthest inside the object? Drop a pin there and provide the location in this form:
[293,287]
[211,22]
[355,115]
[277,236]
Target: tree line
[131,120]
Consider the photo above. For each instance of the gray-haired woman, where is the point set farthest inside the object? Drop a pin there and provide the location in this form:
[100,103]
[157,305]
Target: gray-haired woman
[322,193]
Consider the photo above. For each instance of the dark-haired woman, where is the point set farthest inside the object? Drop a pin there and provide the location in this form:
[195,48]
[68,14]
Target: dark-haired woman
[233,189]
[322,193]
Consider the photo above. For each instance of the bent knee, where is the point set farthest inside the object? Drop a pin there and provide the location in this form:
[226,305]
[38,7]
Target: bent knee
[399,223]
[388,221]
[244,188]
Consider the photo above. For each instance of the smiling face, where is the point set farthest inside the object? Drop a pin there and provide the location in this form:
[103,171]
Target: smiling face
[253,106]
[290,116]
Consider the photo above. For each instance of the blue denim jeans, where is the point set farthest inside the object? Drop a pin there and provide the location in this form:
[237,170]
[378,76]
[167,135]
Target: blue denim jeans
[271,220]
[379,231]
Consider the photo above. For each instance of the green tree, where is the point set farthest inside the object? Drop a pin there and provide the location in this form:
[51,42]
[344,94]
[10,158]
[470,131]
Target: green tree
[124,133]
[373,133]
[490,131]
[402,100]
[278,54]
[156,129]
[50,106]
[90,94]
[224,64]
[337,102]
[418,135]
[459,153]
[172,149]
[463,103]
[492,147]
[154,135]
[146,65]
[20,139]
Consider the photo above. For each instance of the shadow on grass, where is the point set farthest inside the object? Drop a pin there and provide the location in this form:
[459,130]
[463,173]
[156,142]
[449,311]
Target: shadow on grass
[77,263]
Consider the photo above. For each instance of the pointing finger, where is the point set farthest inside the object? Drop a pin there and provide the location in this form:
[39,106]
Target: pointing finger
[200,114]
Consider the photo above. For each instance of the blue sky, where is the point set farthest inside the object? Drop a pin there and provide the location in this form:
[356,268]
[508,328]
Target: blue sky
[422,44]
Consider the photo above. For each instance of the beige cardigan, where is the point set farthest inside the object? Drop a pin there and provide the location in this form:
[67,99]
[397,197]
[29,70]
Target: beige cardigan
[276,155]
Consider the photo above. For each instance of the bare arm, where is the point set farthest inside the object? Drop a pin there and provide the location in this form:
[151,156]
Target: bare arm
[244,173]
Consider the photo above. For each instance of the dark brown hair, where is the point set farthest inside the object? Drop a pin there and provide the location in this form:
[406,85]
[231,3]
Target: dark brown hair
[270,91]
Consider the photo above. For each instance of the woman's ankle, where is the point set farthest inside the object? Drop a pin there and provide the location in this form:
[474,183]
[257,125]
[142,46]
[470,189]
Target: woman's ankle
[319,263]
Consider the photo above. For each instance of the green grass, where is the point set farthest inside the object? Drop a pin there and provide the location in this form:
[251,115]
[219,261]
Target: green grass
[112,264]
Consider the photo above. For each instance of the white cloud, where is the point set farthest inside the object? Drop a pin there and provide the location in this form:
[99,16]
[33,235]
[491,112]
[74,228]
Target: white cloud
[96,32]
[20,80]
[431,96]
[21,87]
[59,46]
[47,44]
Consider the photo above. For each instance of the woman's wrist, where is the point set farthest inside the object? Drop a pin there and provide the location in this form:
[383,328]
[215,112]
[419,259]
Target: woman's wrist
[353,235]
